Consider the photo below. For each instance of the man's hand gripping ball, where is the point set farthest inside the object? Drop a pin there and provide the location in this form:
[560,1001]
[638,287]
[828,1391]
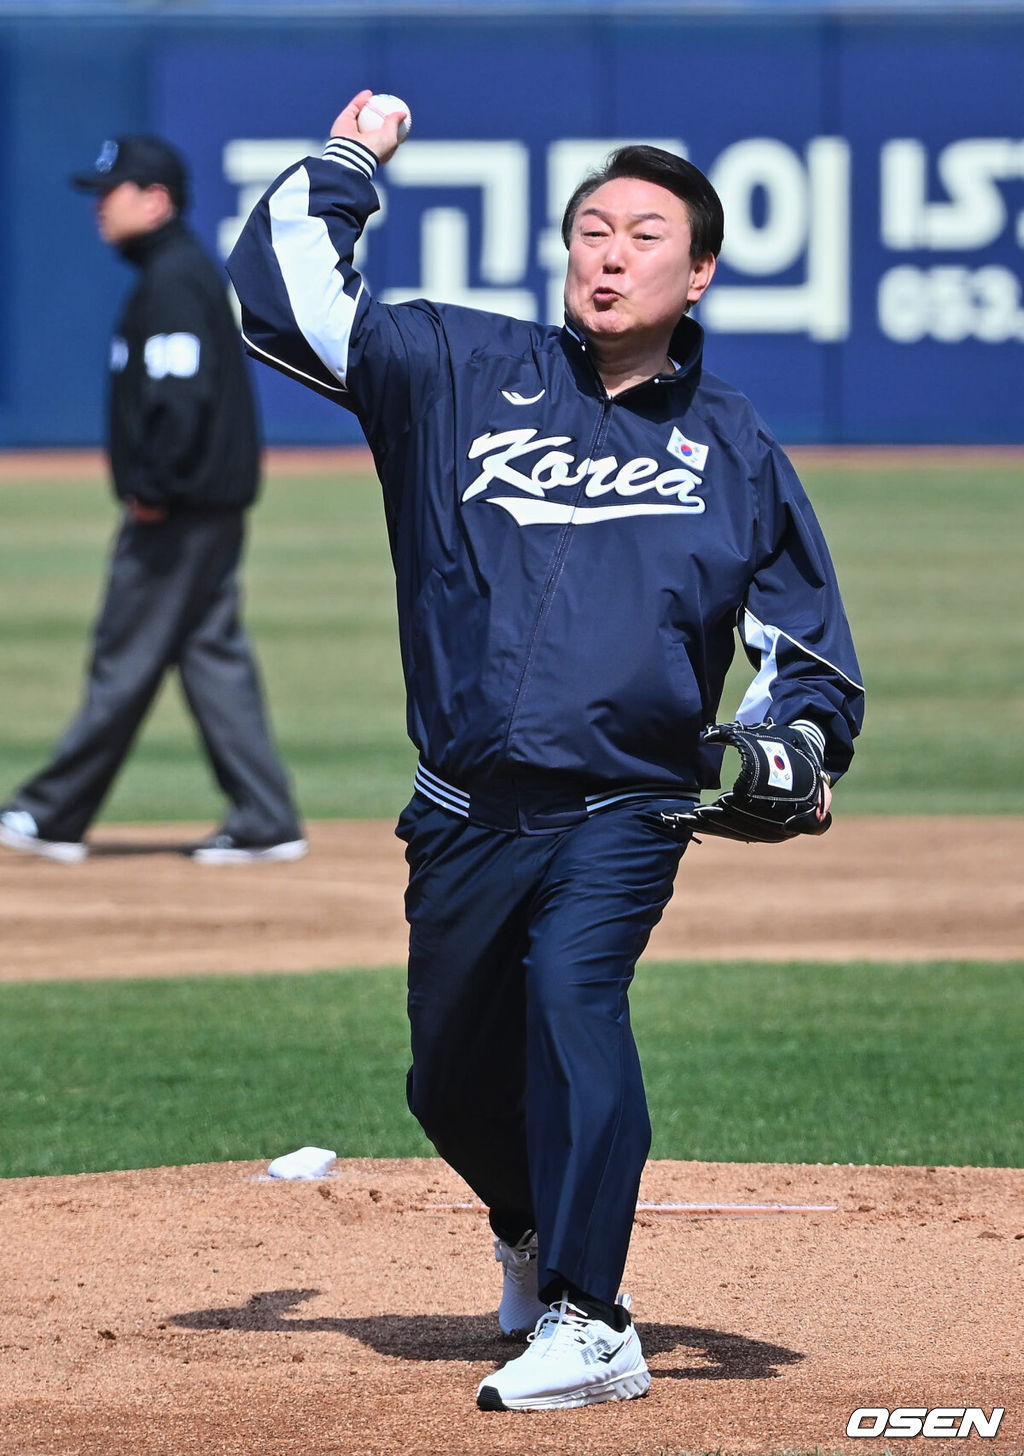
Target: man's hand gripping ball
[782,789]
[382,133]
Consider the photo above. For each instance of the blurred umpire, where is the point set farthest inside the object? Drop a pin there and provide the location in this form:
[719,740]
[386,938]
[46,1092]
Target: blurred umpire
[185,459]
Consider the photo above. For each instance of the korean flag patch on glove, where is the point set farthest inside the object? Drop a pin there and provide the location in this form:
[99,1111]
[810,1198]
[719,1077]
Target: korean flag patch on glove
[782,789]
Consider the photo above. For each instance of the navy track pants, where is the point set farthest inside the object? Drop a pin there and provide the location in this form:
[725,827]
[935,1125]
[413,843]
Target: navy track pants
[525,1075]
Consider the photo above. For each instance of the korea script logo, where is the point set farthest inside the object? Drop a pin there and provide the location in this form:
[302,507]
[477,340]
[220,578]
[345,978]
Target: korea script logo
[638,487]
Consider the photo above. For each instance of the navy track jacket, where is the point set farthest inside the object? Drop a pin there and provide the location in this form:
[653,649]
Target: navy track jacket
[570,567]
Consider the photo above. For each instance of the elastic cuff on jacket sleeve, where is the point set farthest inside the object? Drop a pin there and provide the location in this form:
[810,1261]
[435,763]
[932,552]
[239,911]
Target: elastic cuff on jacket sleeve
[814,736]
[351,154]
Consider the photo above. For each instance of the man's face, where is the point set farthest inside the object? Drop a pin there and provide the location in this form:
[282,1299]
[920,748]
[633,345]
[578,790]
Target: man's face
[630,270]
[128,210]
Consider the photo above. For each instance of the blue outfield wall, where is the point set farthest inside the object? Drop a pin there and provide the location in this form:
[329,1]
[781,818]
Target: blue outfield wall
[871,166]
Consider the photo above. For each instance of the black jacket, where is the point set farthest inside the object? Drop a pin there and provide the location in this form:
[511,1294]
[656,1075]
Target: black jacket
[182,426]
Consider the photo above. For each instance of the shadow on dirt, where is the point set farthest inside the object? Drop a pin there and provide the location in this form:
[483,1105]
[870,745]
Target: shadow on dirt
[471,1337]
[114,849]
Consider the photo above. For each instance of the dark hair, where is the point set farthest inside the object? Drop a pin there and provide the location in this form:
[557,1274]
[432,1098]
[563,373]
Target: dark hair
[676,175]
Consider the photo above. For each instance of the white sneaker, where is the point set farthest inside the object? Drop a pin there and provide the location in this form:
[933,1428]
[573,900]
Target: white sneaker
[571,1360]
[520,1308]
[18,830]
[225,849]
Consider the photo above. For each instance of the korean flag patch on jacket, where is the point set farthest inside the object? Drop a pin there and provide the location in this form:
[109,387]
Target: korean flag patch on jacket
[688,451]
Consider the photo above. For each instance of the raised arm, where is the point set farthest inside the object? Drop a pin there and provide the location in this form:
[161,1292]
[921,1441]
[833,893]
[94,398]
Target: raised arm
[305,308]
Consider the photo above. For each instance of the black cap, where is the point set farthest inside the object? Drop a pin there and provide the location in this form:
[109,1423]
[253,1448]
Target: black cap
[145,160]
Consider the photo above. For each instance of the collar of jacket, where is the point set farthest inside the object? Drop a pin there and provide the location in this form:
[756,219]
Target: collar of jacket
[143,246]
[686,349]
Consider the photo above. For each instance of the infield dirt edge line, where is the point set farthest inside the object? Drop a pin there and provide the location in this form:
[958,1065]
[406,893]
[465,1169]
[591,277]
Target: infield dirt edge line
[75,464]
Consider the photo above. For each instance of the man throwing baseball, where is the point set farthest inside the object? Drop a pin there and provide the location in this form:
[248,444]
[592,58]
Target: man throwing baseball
[580,520]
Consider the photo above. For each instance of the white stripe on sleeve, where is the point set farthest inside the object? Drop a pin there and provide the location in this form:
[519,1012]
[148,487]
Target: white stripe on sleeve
[766,639]
[308,260]
[758,698]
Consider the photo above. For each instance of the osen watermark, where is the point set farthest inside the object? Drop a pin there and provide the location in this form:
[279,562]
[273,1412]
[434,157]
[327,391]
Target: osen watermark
[946,1421]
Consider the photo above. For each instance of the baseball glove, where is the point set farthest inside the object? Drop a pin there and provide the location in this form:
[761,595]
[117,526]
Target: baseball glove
[782,789]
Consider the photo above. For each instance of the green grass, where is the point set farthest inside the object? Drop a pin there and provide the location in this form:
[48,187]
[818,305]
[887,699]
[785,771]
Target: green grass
[913,1064]
[148,1073]
[929,564]
[927,557]
[860,1063]
[321,611]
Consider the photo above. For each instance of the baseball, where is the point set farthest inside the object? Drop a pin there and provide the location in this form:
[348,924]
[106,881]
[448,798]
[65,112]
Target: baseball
[373,114]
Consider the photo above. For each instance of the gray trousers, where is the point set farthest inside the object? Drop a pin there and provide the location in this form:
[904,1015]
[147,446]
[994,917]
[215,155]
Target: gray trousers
[172,600]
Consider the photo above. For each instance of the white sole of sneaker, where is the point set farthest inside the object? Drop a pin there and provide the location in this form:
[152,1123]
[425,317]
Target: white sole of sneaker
[625,1387]
[60,852]
[276,854]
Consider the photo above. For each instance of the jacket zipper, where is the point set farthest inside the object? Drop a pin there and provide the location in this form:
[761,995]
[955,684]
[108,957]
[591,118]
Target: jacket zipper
[607,404]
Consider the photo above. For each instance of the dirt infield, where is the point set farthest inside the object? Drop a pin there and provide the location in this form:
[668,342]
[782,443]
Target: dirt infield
[921,888]
[208,1309]
[197,1310]
[91,464]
